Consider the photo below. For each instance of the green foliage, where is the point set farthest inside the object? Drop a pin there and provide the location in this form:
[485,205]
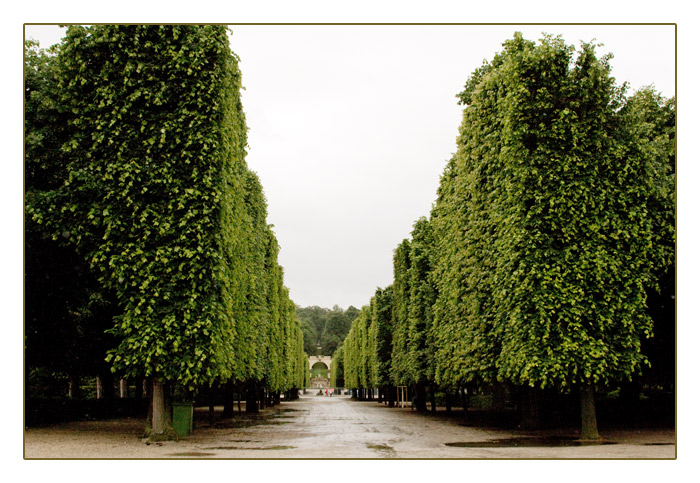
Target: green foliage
[66,310]
[553,220]
[381,336]
[151,187]
[400,362]
[325,327]
[422,295]
[357,355]
[338,368]
[553,240]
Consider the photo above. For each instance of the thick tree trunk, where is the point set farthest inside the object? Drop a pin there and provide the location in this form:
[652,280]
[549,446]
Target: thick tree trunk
[161,421]
[99,391]
[433,406]
[448,402]
[390,395]
[123,388]
[589,423]
[420,398]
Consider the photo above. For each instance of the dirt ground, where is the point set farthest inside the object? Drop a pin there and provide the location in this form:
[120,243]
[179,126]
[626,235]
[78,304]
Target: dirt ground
[317,427]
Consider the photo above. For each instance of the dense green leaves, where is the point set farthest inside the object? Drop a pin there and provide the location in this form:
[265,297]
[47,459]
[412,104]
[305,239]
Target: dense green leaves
[553,220]
[155,194]
[325,328]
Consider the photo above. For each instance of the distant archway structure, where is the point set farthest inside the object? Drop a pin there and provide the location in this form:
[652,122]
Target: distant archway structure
[319,371]
[325,359]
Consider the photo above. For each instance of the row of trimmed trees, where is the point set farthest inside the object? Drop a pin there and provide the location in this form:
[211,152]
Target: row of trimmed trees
[550,246]
[135,170]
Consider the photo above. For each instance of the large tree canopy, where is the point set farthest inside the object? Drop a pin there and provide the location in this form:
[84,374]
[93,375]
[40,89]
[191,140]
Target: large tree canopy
[554,219]
[150,185]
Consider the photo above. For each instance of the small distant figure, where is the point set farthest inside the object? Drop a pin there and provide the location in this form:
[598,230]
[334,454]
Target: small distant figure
[326,392]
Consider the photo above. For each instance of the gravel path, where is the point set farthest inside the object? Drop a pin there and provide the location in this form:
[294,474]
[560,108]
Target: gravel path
[334,427]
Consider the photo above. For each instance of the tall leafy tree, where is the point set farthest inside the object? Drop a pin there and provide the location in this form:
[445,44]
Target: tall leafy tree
[573,241]
[420,313]
[381,333]
[153,193]
[400,364]
[338,368]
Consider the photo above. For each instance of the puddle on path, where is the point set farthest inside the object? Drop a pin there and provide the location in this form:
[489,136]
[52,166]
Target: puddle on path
[383,449]
[528,443]
[248,420]
[250,448]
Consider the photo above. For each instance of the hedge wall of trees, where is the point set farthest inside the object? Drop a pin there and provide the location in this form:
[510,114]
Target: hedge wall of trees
[146,182]
[553,223]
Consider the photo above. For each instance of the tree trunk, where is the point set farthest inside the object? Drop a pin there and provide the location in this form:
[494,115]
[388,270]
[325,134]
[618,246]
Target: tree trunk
[589,423]
[448,402]
[251,403]
[420,398]
[261,398]
[433,406]
[98,388]
[465,400]
[161,421]
[123,388]
[74,387]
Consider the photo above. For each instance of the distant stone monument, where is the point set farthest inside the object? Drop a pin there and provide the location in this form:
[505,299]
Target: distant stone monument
[320,372]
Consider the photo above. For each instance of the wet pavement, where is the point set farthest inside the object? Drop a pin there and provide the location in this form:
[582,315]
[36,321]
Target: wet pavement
[318,427]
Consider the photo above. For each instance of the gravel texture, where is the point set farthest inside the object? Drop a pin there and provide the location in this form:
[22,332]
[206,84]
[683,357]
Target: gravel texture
[315,427]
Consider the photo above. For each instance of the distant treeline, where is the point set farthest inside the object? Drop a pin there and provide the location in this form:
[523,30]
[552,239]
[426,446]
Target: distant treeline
[325,329]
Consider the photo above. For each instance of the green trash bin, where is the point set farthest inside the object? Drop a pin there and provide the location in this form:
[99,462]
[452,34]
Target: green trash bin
[183,413]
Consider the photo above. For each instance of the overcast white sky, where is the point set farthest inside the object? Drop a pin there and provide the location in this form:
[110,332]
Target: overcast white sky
[350,128]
